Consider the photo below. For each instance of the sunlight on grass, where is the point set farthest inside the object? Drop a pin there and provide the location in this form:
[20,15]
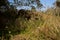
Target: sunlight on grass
[46,27]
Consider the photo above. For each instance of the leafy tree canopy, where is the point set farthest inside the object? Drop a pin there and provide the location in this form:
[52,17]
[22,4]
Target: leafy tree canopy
[30,3]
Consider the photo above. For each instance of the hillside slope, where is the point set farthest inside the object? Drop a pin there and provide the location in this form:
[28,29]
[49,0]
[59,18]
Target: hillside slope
[47,27]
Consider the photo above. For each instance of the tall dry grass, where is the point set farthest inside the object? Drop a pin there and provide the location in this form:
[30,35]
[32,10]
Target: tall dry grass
[42,26]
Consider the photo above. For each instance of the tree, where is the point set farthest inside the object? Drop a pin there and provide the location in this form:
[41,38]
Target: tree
[30,3]
[57,8]
[8,16]
[57,3]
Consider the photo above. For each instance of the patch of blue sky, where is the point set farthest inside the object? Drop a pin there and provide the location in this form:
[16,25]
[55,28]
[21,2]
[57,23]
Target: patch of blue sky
[23,7]
[10,0]
[47,4]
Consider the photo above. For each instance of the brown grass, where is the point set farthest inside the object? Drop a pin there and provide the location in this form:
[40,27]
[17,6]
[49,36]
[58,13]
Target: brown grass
[47,27]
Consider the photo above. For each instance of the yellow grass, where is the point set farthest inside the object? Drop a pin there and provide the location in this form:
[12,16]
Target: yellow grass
[47,27]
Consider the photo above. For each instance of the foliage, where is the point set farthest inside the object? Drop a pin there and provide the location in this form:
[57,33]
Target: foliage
[10,20]
[28,3]
[57,3]
[8,16]
[41,26]
[30,25]
[46,27]
[53,11]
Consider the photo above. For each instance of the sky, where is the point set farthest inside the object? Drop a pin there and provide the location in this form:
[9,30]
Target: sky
[46,4]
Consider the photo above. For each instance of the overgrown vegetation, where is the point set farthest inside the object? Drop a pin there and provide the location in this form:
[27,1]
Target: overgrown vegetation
[28,24]
[41,26]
